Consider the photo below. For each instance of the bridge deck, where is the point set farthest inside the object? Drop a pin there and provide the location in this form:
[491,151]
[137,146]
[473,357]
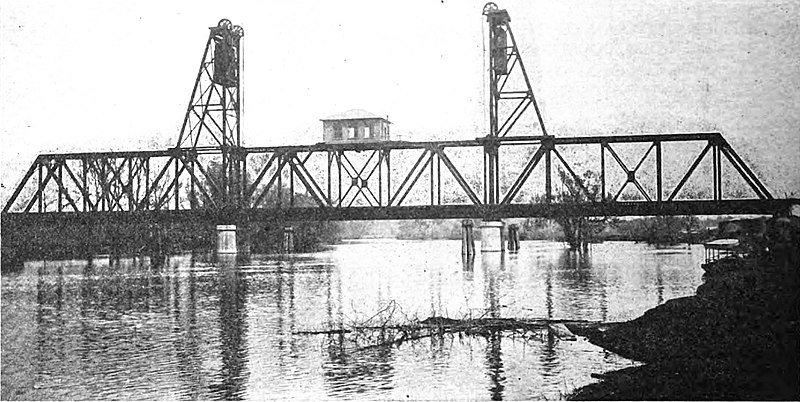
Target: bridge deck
[615,209]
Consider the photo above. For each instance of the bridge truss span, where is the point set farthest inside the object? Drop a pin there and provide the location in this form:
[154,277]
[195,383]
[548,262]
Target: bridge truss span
[656,174]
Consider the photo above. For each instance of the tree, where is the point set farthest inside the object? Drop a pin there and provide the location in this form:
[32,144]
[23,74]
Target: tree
[579,229]
[267,237]
[667,230]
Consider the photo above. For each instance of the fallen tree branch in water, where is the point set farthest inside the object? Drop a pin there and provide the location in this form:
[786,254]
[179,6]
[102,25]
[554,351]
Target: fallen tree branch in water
[463,324]
[392,335]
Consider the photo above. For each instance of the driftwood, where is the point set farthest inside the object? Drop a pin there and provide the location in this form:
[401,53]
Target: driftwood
[391,335]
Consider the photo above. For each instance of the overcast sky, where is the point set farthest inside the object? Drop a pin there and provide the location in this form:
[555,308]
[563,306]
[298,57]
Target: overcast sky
[99,75]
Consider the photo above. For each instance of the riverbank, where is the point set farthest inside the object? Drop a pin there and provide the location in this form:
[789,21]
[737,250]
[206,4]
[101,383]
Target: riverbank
[736,338]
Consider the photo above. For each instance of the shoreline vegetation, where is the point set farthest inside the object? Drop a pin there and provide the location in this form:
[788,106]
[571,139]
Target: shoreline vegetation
[660,230]
[60,241]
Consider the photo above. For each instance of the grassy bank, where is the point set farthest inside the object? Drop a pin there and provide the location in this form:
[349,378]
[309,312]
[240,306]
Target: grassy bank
[736,338]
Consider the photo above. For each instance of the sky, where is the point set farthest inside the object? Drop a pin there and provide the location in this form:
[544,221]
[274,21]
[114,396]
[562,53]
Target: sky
[99,76]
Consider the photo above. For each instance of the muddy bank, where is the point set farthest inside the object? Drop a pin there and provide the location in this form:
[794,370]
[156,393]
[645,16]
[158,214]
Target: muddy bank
[736,338]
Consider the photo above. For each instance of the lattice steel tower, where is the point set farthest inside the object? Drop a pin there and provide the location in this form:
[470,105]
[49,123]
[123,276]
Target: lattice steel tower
[510,95]
[504,58]
[213,117]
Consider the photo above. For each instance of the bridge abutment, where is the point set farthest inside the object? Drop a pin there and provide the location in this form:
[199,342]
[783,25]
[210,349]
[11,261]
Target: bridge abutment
[492,236]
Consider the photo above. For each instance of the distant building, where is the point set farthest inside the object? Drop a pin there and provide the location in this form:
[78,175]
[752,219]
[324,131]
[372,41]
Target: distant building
[355,126]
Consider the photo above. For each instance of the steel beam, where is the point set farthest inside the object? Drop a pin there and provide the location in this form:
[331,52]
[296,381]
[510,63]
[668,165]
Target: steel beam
[676,208]
[104,173]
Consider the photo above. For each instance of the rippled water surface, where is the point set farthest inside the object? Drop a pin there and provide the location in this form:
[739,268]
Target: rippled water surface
[195,329]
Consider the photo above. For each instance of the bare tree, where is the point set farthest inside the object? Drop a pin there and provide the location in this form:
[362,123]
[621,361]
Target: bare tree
[579,229]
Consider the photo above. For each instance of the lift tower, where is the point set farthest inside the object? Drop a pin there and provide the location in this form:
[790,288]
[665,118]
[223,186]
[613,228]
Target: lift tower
[213,117]
[510,94]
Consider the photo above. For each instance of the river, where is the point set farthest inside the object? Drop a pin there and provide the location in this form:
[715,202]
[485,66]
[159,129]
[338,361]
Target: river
[196,329]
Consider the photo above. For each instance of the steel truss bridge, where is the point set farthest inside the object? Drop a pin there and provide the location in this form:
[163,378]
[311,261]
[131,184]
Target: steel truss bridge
[209,175]
[360,181]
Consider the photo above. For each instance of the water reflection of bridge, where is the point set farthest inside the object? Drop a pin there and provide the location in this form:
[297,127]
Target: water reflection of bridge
[222,329]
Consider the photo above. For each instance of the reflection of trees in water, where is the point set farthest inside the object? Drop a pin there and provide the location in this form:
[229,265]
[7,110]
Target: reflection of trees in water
[86,321]
[574,272]
[357,370]
[128,288]
[114,318]
[233,331]
[87,289]
[351,365]
[50,328]
[548,291]
[659,281]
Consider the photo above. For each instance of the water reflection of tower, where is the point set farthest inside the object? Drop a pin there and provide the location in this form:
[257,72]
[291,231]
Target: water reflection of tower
[493,265]
[233,323]
[350,367]
[357,370]
[286,279]
[548,355]
[187,348]
[494,363]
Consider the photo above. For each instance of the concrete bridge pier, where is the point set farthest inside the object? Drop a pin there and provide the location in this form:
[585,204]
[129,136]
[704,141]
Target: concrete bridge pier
[226,240]
[492,236]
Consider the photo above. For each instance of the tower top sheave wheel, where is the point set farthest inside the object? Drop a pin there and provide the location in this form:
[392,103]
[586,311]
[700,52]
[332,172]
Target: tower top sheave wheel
[494,14]
[225,26]
[226,38]
[510,92]
[490,7]
[213,116]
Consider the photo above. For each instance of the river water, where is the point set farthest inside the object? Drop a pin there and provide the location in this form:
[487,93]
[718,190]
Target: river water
[198,329]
